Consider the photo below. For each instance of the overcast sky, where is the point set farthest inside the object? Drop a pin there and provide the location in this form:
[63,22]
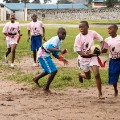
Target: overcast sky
[53,1]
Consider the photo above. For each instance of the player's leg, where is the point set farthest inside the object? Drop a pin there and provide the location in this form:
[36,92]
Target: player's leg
[50,79]
[85,75]
[8,51]
[38,41]
[6,54]
[96,73]
[33,49]
[49,66]
[34,56]
[36,79]
[114,71]
[84,65]
[115,90]
[13,47]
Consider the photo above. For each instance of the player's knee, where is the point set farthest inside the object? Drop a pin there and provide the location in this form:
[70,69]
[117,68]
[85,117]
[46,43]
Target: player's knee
[88,76]
[55,72]
[13,51]
[97,75]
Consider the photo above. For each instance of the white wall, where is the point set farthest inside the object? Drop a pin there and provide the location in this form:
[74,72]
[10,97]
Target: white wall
[2,14]
[19,15]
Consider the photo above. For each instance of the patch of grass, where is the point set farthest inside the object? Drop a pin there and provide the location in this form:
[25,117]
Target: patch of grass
[106,22]
[65,77]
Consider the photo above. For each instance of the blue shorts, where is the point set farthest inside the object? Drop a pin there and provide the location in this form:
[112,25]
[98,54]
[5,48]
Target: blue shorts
[36,42]
[114,71]
[47,64]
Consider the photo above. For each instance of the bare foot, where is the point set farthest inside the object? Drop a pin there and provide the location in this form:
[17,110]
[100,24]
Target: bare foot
[80,78]
[36,81]
[47,91]
[100,97]
[116,93]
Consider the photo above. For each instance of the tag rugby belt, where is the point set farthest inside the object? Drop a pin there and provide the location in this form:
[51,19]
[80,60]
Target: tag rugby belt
[12,33]
[45,50]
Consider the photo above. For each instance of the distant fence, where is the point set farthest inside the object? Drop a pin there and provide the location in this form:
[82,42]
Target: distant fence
[77,14]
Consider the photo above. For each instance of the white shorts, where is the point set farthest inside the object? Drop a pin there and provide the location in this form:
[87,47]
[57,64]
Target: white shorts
[10,42]
[85,65]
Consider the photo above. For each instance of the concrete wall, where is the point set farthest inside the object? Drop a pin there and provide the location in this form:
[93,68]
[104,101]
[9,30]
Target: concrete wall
[67,14]
[77,14]
[2,14]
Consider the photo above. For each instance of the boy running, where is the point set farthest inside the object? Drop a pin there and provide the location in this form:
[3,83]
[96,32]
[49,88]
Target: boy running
[112,44]
[48,66]
[83,43]
[37,33]
[12,32]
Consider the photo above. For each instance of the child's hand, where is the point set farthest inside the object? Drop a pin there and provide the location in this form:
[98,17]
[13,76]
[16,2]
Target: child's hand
[28,39]
[20,34]
[92,55]
[65,61]
[64,51]
[44,39]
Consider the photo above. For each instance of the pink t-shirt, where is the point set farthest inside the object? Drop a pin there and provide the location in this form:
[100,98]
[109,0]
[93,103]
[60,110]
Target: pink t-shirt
[36,28]
[11,28]
[113,46]
[84,42]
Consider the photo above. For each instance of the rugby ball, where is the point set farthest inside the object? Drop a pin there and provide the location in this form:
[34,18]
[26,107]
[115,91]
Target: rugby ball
[96,49]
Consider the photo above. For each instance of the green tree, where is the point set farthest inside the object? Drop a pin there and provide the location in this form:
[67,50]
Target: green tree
[15,1]
[7,1]
[36,1]
[63,2]
[111,3]
[25,1]
[11,1]
[45,1]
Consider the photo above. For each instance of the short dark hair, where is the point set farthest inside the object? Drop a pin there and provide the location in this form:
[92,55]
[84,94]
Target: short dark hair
[115,26]
[61,29]
[34,15]
[85,23]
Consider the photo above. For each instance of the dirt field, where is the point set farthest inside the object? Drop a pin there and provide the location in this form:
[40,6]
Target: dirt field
[22,102]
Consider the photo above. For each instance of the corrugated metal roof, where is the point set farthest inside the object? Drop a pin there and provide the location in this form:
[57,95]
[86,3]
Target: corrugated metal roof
[20,6]
[98,1]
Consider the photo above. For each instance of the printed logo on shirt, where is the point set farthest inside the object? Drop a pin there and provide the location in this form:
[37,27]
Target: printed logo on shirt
[114,54]
[86,48]
[13,30]
[36,31]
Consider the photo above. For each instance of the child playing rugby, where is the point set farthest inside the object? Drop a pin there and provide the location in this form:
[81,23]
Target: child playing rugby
[112,44]
[48,66]
[12,32]
[86,60]
[37,33]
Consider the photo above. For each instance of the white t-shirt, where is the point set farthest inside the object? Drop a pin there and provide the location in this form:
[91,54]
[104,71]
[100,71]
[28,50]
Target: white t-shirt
[113,46]
[54,41]
[85,42]
[36,28]
[11,28]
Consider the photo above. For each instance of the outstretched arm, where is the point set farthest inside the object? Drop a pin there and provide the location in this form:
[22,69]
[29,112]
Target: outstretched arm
[103,49]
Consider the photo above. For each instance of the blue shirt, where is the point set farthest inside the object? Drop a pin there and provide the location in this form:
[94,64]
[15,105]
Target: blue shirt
[54,42]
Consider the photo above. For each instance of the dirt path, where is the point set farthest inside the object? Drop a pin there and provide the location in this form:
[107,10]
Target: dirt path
[21,102]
